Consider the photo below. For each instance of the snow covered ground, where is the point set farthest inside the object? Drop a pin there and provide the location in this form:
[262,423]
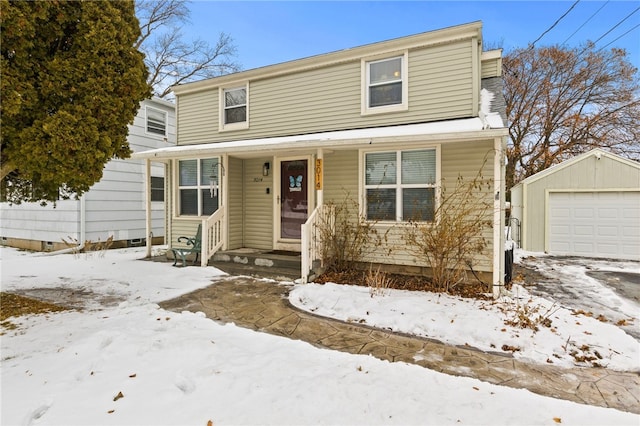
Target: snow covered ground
[123,360]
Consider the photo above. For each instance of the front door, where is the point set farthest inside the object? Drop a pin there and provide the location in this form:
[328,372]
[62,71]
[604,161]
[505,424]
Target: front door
[293,202]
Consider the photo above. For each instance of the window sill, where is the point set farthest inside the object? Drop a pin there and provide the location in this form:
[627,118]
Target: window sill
[234,126]
[384,109]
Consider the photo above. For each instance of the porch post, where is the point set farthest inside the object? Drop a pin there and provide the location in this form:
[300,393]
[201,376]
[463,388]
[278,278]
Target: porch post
[498,216]
[147,192]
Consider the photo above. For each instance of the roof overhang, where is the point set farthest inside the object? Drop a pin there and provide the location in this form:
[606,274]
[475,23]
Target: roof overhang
[437,132]
[430,38]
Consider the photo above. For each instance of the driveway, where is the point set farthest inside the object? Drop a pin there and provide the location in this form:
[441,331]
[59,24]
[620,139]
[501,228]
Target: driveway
[610,289]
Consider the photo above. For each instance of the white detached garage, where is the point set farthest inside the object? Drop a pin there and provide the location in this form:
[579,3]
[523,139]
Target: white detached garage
[586,206]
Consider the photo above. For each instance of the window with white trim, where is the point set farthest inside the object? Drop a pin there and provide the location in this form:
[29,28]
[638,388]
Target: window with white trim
[157,188]
[234,108]
[385,85]
[198,186]
[156,121]
[400,185]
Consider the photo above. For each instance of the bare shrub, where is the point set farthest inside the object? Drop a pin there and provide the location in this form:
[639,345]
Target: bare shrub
[347,237]
[89,246]
[378,282]
[449,243]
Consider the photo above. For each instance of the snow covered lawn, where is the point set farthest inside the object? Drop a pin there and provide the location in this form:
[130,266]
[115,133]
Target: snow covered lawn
[563,337]
[130,362]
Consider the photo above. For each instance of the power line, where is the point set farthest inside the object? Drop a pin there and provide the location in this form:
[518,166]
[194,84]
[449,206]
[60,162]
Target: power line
[618,38]
[555,23]
[616,25]
[585,22]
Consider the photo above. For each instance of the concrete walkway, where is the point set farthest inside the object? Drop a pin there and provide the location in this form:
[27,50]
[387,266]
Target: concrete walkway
[264,306]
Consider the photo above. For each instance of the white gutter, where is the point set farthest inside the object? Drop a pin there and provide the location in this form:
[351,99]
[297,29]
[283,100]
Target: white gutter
[454,130]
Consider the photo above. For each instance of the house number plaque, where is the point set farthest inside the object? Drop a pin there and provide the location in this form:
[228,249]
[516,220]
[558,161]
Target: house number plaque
[318,172]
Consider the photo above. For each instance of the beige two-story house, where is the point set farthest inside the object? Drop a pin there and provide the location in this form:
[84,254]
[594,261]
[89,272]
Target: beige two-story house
[261,152]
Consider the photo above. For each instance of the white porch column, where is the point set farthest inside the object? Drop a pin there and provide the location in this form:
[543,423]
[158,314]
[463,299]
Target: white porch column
[498,215]
[147,192]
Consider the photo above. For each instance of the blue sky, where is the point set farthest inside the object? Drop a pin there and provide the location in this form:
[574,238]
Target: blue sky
[270,32]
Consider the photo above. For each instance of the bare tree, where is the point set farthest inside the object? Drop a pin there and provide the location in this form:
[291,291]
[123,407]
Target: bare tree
[171,60]
[562,102]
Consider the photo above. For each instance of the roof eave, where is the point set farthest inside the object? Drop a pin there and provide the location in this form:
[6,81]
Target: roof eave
[307,142]
[465,31]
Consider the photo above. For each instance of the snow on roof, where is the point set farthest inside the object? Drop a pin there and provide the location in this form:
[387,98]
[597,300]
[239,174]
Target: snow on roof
[441,130]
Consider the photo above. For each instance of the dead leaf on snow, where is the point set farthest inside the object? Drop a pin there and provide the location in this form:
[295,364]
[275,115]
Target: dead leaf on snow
[557,419]
[118,396]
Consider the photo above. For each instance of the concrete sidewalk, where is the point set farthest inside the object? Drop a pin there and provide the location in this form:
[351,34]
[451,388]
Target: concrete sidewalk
[263,306]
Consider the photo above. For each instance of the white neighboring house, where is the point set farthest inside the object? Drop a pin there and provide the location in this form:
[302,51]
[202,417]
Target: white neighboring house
[114,206]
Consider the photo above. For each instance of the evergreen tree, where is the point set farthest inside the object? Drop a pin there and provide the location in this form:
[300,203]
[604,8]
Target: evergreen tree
[71,82]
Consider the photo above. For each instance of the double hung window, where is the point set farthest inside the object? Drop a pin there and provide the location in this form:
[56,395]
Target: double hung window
[198,186]
[233,107]
[385,85]
[156,121]
[400,185]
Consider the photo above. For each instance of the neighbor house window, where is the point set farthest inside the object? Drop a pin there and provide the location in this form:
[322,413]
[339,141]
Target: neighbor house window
[157,188]
[198,186]
[233,107]
[385,85]
[400,185]
[156,121]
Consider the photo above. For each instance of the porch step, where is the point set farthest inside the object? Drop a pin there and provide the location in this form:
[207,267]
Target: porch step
[276,265]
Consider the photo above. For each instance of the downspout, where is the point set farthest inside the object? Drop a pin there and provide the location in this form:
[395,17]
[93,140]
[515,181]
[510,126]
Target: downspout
[83,233]
[147,192]
[498,216]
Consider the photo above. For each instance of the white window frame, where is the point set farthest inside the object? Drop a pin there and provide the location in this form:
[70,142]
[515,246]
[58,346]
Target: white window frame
[146,122]
[223,126]
[404,79]
[398,186]
[198,187]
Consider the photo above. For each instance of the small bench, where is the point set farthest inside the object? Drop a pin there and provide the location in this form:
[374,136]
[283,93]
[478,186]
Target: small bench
[194,245]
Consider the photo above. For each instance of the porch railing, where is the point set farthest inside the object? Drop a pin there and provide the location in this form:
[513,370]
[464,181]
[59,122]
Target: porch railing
[321,219]
[212,235]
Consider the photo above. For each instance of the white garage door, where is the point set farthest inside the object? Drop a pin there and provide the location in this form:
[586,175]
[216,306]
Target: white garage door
[595,224]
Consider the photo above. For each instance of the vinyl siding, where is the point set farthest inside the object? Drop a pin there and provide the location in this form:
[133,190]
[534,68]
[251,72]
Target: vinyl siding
[183,228]
[465,159]
[236,198]
[258,205]
[340,176]
[440,86]
[587,174]
[491,68]
[197,116]
[31,221]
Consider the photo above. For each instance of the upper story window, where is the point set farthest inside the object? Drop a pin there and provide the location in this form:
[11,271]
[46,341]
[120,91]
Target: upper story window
[198,186]
[400,185]
[234,108]
[156,121]
[385,85]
